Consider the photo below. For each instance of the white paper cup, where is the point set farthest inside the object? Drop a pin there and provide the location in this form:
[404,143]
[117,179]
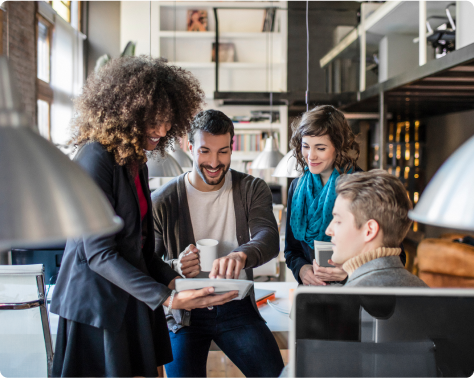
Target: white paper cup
[208,253]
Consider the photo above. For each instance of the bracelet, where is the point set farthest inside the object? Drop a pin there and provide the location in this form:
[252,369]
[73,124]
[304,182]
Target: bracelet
[171,302]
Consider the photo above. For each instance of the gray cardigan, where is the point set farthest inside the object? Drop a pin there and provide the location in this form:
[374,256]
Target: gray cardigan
[384,271]
[256,228]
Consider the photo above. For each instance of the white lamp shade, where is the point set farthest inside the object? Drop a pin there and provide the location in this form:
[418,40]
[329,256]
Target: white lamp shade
[45,198]
[269,157]
[165,167]
[287,167]
[448,200]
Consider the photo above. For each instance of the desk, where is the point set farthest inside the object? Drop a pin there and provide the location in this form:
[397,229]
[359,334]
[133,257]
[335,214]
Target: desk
[278,323]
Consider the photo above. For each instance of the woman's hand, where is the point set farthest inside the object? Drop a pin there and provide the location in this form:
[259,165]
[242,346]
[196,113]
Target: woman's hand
[309,278]
[190,299]
[329,274]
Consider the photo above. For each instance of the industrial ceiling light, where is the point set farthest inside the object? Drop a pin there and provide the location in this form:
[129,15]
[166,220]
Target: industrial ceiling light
[183,159]
[447,201]
[164,167]
[45,198]
[287,167]
[269,157]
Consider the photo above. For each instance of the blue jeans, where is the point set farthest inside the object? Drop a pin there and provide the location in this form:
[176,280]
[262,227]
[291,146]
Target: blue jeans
[240,333]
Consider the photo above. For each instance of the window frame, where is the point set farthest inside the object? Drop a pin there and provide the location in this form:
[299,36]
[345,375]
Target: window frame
[2,18]
[44,92]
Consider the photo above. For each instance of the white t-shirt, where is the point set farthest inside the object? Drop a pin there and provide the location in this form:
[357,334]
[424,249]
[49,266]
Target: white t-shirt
[213,217]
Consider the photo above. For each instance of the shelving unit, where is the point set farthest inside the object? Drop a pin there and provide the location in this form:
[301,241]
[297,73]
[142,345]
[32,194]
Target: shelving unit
[260,57]
[381,20]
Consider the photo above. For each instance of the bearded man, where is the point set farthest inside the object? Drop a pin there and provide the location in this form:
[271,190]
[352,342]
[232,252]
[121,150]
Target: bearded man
[215,202]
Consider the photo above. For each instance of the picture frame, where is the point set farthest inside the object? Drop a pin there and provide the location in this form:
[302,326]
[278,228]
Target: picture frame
[196,20]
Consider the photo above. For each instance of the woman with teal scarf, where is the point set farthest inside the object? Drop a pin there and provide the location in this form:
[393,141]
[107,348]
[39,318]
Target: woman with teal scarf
[325,147]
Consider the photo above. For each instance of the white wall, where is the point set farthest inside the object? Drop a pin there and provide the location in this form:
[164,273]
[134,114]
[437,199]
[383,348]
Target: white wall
[464,23]
[397,54]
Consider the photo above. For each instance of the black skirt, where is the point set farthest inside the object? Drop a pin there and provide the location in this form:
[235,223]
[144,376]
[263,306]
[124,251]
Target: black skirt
[137,349]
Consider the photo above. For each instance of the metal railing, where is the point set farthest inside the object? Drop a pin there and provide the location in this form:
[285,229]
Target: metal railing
[41,303]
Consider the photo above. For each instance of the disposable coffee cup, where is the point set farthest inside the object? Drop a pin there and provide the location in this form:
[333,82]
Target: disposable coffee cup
[208,253]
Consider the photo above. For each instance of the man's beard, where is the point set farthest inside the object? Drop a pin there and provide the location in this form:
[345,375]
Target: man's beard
[214,180]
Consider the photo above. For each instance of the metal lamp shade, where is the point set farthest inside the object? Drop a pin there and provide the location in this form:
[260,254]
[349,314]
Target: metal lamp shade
[183,159]
[165,167]
[269,157]
[448,200]
[287,167]
[45,198]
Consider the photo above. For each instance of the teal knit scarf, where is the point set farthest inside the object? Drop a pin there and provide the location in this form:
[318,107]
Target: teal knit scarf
[311,207]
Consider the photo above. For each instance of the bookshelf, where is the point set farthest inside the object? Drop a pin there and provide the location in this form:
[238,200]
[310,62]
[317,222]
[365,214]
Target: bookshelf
[260,58]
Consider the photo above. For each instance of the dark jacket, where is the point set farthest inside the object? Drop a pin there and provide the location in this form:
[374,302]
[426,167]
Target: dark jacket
[98,274]
[384,272]
[298,253]
[253,212]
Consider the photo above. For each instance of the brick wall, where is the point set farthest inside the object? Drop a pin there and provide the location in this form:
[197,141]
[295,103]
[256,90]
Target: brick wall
[22,48]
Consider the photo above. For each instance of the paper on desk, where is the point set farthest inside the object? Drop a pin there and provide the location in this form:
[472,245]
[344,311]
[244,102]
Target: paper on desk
[220,286]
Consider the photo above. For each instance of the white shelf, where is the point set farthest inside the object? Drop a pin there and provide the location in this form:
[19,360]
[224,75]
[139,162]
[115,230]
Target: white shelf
[244,155]
[219,4]
[229,65]
[402,17]
[212,34]
[347,42]
[265,126]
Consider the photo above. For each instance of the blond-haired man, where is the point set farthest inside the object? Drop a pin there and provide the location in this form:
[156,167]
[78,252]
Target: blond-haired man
[370,222]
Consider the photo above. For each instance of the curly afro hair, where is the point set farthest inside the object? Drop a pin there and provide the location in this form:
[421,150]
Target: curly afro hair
[326,120]
[126,95]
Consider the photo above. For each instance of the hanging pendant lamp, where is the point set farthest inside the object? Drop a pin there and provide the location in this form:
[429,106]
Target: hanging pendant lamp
[287,167]
[269,157]
[183,159]
[166,166]
[45,198]
[447,201]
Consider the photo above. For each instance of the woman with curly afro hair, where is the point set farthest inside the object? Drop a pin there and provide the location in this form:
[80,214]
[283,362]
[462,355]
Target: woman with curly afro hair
[111,289]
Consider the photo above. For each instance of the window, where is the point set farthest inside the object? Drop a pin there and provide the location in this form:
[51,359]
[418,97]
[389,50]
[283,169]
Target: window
[1,31]
[63,8]
[44,119]
[44,49]
[70,11]
[45,93]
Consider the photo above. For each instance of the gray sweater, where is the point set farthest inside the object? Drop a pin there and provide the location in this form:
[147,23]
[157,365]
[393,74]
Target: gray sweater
[256,228]
[384,272]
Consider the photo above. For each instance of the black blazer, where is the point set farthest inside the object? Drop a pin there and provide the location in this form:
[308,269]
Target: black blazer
[98,274]
[298,253]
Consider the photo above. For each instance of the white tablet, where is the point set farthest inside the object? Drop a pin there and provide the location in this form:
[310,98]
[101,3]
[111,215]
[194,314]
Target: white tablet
[221,286]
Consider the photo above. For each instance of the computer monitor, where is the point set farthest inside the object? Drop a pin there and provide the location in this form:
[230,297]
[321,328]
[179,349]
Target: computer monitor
[50,257]
[382,332]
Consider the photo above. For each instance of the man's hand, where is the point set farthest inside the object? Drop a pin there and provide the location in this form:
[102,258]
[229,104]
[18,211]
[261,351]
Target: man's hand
[329,274]
[229,266]
[308,278]
[189,262]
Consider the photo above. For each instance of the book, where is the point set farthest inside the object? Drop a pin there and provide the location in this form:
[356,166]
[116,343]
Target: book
[226,52]
[269,20]
[220,286]
[197,20]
